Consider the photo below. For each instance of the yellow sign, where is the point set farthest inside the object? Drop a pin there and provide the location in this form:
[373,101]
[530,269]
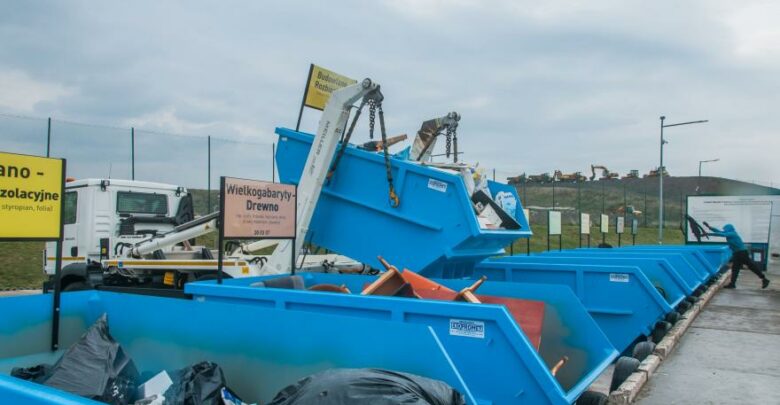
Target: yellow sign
[31,192]
[323,82]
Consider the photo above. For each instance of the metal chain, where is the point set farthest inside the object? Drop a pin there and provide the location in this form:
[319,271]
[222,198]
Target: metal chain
[371,117]
[448,137]
[455,144]
[394,200]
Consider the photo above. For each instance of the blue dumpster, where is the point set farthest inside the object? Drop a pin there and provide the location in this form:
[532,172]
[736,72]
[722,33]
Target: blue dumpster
[265,339]
[433,229]
[666,280]
[694,276]
[695,257]
[717,255]
[621,299]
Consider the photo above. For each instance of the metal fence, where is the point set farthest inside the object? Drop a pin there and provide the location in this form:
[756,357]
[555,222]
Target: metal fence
[98,151]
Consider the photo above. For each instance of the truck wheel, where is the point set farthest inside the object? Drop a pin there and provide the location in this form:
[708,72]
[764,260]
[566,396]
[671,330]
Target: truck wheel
[624,367]
[76,286]
[660,330]
[684,307]
[205,277]
[591,398]
[642,350]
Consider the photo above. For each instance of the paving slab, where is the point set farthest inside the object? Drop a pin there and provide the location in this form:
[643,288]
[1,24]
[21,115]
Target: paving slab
[729,355]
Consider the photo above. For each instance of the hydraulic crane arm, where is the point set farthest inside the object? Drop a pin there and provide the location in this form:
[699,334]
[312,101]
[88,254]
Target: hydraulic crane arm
[332,123]
[189,230]
[429,131]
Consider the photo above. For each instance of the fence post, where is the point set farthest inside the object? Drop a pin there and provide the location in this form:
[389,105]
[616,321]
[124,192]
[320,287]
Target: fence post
[48,139]
[132,153]
[579,212]
[645,211]
[208,171]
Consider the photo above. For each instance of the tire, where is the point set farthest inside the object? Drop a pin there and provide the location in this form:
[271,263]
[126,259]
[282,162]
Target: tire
[624,367]
[642,350]
[76,286]
[692,299]
[673,317]
[591,398]
[683,307]
[660,330]
[206,277]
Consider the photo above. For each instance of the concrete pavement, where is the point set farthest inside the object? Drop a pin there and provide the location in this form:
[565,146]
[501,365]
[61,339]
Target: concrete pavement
[731,352]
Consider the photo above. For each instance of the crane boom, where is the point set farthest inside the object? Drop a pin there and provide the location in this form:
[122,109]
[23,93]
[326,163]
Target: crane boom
[332,123]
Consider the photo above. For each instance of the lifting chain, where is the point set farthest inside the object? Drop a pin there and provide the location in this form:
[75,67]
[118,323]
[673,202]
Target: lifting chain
[454,133]
[448,144]
[394,200]
[371,117]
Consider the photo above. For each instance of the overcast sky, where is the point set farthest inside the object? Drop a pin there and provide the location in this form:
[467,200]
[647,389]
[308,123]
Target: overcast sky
[541,85]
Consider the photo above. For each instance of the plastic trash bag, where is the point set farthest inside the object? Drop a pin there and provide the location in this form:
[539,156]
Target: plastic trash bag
[96,367]
[35,374]
[199,384]
[367,386]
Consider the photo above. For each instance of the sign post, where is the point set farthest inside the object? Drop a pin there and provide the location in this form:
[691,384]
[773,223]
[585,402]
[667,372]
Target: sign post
[527,213]
[319,86]
[31,194]
[253,209]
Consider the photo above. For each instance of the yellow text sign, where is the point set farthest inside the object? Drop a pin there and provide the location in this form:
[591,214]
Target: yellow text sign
[31,189]
[323,82]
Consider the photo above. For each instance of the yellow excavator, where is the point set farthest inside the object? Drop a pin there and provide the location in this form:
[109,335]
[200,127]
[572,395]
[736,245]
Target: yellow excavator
[605,173]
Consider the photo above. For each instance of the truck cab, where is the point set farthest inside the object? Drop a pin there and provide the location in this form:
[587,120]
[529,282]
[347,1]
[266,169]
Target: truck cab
[121,211]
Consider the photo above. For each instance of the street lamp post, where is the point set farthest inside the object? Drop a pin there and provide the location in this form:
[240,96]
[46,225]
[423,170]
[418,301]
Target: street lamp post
[706,161]
[661,176]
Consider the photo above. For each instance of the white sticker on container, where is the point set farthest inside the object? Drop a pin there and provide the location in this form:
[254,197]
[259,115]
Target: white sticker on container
[618,277]
[472,329]
[437,185]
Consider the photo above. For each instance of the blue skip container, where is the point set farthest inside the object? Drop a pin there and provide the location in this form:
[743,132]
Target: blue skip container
[660,273]
[433,230]
[621,299]
[265,339]
[693,257]
[693,276]
[498,366]
[718,256]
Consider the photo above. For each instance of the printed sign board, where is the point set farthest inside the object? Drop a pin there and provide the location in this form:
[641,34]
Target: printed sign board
[604,223]
[554,222]
[634,226]
[585,224]
[31,193]
[321,84]
[258,209]
[750,215]
[620,224]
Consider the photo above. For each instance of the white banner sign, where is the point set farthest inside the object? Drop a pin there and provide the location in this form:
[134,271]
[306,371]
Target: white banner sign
[750,215]
[554,222]
[620,224]
[585,224]
[604,223]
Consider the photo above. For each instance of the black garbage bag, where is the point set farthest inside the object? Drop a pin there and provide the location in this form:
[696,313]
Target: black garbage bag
[36,374]
[199,384]
[96,367]
[367,386]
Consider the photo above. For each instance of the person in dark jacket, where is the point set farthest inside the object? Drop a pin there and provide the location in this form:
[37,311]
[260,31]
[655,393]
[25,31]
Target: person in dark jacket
[740,258]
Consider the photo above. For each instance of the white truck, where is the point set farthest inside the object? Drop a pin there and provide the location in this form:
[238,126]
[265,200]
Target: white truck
[137,233]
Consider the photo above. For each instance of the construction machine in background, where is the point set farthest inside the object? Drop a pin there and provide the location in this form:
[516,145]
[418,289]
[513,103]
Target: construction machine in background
[605,173]
[633,174]
[568,177]
[533,178]
[654,173]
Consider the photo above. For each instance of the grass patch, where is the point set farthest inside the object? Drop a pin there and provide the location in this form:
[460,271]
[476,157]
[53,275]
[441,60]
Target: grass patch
[21,265]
